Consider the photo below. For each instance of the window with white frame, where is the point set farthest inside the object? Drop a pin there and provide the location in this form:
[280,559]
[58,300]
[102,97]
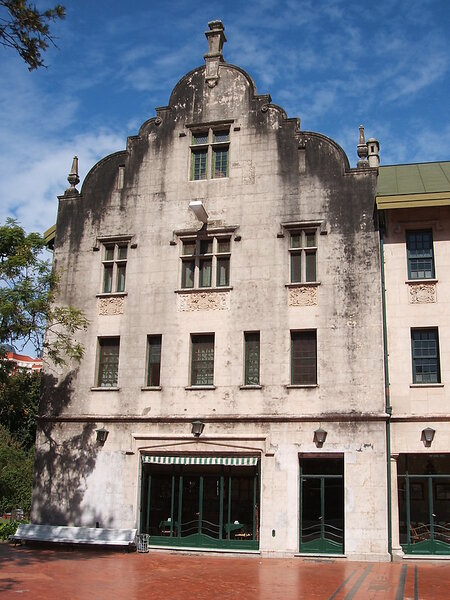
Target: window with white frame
[108,362]
[210,153]
[114,267]
[303,255]
[205,263]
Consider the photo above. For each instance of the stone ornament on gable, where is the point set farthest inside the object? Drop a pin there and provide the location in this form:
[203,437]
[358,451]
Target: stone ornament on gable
[111,306]
[422,293]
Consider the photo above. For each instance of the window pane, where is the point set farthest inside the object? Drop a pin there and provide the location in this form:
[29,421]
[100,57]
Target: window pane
[310,266]
[296,268]
[205,273]
[202,371]
[303,357]
[252,358]
[310,238]
[120,287]
[108,364]
[187,274]
[223,272]
[198,166]
[154,360]
[420,254]
[122,252]
[220,162]
[221,136]
[107,279]
[200,138]
[223,245]
[206,246]
[109,252]
[425,355]
[295,240]
[188,248]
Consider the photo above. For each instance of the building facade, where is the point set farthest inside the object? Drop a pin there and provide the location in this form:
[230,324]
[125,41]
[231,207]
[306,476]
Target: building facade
[229,265]
[413,204]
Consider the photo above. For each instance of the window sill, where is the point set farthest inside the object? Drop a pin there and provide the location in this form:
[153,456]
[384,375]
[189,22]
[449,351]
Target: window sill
[200,387]
[250,387]
[302,284]
[151,388]
[105,389]
[294,386]
[201,290]
[111,294]
[426,385]
[421,281]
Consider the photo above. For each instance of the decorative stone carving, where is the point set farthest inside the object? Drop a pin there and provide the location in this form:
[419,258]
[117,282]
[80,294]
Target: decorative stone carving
[302,296]
[204,301]
[248,172]
[111,306]
[422,293]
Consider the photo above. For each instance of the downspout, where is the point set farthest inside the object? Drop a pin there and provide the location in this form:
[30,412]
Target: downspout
[388,407]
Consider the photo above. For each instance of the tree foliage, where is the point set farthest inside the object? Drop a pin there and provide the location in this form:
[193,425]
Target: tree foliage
[16,473]
[26,29]
[19,405]
[28,287]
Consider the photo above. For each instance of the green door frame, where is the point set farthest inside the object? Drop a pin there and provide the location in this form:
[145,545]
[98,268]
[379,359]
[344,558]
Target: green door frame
[428,545]
[323,545]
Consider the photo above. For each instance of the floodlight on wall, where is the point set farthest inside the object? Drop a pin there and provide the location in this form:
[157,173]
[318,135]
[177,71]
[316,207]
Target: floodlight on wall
[320,435]
[427,436]
[197,428]
[102,434]
[199,210]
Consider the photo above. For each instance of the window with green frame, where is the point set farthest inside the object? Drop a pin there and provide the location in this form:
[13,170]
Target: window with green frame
[114,267]
[202,359]
[153,360]
[210,154]
[304,357]
[252,357]
[205,262]
[108,362]
[419,247]
[303,255]
[425,355]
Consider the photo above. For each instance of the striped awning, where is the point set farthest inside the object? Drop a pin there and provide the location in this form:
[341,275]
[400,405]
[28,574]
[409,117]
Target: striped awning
[230,461]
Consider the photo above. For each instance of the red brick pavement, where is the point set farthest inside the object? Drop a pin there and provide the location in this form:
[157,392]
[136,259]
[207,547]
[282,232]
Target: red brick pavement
[66,574]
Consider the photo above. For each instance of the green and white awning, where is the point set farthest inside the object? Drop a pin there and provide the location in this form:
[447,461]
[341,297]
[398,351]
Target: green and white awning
[230,461]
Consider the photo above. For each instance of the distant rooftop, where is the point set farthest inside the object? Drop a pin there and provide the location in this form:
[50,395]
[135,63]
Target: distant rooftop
[420,184]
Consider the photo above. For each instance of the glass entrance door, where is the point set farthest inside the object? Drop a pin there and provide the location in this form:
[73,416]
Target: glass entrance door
[204,505]
[424,503]
[322,505]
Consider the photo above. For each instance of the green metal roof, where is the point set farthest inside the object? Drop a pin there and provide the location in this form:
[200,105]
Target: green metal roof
[419,178]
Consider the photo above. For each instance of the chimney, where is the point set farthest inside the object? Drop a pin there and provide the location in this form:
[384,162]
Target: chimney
[373,147]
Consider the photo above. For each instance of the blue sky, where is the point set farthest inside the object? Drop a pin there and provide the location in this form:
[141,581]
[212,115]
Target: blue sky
[332,63]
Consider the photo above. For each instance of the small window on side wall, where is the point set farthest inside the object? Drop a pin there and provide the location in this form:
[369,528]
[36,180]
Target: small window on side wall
[154,360]
[252,357]
[114,267]
[419,246]
[108,362]
[425,356]
[304,357]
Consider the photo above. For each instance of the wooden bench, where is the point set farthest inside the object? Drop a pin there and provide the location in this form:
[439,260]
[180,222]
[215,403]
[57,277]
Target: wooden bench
[75,535]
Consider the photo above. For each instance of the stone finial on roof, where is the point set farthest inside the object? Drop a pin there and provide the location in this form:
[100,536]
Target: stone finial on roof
[216,38]
[361,149]
[73,179]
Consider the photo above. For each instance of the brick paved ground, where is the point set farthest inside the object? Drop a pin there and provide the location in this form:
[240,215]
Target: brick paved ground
[65,574]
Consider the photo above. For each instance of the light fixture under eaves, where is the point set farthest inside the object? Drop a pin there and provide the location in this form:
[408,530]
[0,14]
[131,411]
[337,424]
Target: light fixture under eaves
[199,210]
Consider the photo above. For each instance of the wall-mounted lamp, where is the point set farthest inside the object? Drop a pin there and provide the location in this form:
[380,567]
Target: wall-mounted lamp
[320,435]
[199,210]
[427,436]
[197,428]
[102,434]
